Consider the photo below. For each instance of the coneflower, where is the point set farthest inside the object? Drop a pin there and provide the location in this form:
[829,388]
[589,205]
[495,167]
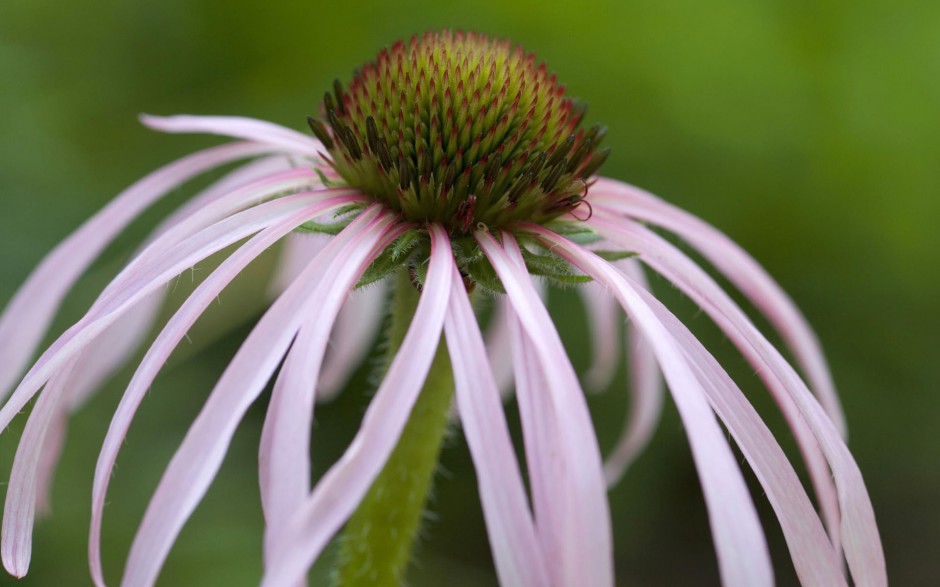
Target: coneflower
[452,167]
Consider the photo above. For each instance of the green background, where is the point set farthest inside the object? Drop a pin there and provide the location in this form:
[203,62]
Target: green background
[808,131]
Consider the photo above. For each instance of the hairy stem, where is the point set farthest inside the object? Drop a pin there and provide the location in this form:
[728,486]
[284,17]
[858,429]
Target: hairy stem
[376,545]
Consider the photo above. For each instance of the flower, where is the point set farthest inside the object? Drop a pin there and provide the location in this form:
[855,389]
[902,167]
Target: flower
[457,163]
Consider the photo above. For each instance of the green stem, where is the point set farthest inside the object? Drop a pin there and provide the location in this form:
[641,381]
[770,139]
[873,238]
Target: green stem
[376,545]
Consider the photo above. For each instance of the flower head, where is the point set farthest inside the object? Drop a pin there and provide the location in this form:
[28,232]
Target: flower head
[451,161]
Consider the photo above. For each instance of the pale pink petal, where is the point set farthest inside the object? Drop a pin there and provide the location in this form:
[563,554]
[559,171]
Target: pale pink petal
[742,270]
[19,509]
[499,340]
[27,316]
[646,394]
[52,448]
[114,347]
[358,322]
[813,556]
[142,278]
[122,339]
[296,253]
[604,320]
[694,282]
[499,346]
[196,462]
[237,127]
[353,335]
[743,557]
[205,294]
[516,550]
[858,528]
[342,487]
[572,514]
[284,454]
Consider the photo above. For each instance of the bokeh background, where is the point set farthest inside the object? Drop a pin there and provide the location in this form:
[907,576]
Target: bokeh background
[808,131]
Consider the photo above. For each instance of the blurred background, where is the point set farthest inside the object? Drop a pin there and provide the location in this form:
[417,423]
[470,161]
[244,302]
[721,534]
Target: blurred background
[808,131]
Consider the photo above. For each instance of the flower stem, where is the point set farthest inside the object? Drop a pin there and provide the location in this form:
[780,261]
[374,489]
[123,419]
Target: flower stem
[377,543]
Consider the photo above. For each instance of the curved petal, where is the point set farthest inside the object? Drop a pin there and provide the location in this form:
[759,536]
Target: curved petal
[140,280]
[237,127]
[569,492]
[855,516]
[499,346]
[646,394]
[29,313]
[169,338]
[19,509]
[341,489]
[114,347]
[741,269]
[739,539]
[816,561]
[356,329]
[604,326]
[195,463]
[516,550]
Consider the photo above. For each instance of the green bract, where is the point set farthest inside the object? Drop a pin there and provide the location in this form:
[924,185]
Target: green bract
[460,129]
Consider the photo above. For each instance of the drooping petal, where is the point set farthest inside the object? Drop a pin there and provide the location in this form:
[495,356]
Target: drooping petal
[237,127]
[813,556]
[284,455]
[516,551]
[29,313]
[742,270]
[572,514]
[114,347]
[499,346]
[198,458]
[342,488]
[355,330]
[169,338]
[356,326]
[19,509]
[499,340]
[52,448]
[144,277]
[855,515]
[743,557]
[646,394]
[296,253]
[604,327]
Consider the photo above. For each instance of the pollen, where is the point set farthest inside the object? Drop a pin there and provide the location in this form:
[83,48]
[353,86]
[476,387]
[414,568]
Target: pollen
[461,129]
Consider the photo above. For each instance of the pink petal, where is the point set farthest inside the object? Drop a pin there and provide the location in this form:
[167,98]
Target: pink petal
[357,324]
[813,556]
[284,455]
[205,294]
[143,276]
[499,346]
[516,550]
[858,527]
[296,253]
[739,539]
[52,447]
[741,269]
[342,487]
[120,341]
[355,331]
[569,493]
[237,127]
[604,320]
[694,282]
[646,394]
[19,509]
[27,316]
[195,463]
